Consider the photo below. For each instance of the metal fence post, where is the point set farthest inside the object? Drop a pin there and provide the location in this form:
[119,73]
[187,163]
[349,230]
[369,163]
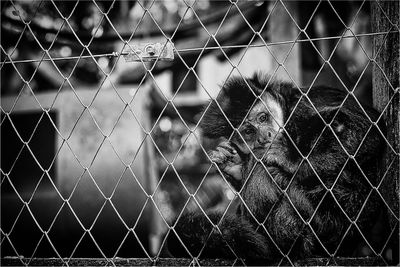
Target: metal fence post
[386,76]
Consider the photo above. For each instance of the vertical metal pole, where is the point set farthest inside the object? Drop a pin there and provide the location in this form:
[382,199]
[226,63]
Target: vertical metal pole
[151,178]
[386,76]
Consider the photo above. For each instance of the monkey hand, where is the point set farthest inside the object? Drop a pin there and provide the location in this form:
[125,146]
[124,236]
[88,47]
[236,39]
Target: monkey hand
[228,161]
[277,154]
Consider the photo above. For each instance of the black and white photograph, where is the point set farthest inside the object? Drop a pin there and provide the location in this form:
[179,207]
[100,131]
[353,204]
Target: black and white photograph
[199,132]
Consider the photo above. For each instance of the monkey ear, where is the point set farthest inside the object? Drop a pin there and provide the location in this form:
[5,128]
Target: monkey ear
[229,108]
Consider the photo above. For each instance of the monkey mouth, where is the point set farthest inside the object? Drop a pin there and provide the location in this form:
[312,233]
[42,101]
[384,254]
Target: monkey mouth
[263,146]
[261,150]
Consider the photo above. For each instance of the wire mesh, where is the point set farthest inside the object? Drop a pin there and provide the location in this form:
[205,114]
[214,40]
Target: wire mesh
[142,224]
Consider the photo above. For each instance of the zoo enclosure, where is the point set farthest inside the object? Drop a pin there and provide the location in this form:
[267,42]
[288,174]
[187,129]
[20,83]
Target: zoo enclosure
[34,55]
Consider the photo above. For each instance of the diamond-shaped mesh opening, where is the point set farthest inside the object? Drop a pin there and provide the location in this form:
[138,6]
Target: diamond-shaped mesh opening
[66,242]
[129,190]
[171,195]
[25,225]
[43,247]
[45,219]
[332,231]
[87,244]
[113,153]
[109,241]
[86,208]
[214,193]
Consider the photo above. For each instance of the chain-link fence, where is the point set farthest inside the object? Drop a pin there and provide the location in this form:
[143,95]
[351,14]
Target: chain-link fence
[113,154]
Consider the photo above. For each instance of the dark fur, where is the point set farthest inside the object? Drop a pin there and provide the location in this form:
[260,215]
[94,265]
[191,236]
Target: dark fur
[236,239]
[282,194]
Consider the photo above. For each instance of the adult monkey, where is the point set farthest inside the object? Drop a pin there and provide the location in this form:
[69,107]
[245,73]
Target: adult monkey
[304,166]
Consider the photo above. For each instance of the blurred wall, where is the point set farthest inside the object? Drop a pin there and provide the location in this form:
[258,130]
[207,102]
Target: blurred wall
[89,169]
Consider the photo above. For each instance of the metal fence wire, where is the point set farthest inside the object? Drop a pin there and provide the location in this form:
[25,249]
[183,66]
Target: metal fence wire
[78,76]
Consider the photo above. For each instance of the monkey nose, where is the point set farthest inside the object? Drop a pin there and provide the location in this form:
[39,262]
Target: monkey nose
[262,140]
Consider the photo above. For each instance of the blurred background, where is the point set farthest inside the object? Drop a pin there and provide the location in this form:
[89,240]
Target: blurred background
[99,155]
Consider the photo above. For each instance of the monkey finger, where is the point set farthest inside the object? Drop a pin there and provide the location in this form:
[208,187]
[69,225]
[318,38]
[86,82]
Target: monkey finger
[228,152]
[226,156]
[217,157]
[235,171]
[227,146]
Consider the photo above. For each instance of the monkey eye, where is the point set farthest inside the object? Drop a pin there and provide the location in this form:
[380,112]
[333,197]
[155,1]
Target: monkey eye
[248,131]
[262,118]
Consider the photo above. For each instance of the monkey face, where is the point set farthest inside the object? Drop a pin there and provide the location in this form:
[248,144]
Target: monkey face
[264,121]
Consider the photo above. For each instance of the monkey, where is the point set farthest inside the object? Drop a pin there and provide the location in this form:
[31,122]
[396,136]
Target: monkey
[303,163]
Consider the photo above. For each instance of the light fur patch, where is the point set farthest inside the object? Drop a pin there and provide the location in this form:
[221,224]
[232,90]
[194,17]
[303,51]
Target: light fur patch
[273,108]
[277,113]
